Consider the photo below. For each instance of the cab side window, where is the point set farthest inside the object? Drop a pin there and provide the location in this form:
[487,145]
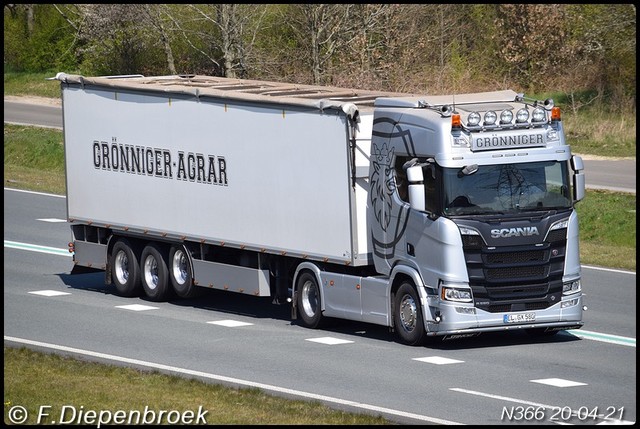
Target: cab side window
[430,189]
[402,184]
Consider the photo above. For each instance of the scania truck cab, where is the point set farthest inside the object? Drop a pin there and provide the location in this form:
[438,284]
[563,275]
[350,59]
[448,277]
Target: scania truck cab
[472,198]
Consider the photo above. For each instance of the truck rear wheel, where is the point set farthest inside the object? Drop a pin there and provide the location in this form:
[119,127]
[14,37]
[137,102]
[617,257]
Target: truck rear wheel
[407,316]
[309,301]
[155,275]
[125,269]
[180,273]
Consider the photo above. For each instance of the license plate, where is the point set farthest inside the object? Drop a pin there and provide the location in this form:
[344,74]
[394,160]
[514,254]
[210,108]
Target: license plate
[519,318]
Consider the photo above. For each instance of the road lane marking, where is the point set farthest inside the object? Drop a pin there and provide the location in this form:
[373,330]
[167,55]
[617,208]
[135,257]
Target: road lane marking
[230,323]
[605,338]
[36,248]
[606,420]
[52,220]
[558,382]
[437,360]
[329,340]
[49,293]
[580,333]
[612,270]
[137,307]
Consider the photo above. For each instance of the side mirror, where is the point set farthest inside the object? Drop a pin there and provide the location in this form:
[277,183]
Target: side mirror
[416,188]
[579,184]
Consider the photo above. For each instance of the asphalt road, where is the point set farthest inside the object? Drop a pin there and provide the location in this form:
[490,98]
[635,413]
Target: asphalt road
[586,376]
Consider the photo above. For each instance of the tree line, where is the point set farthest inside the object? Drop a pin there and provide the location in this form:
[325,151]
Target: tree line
[584,51]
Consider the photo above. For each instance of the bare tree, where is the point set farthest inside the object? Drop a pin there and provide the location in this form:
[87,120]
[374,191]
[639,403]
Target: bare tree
[235,28]
[324,29]
[365,46]
[112,37]
[157,16]
[533,40]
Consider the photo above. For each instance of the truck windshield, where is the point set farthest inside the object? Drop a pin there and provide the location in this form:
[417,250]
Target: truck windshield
[497,189]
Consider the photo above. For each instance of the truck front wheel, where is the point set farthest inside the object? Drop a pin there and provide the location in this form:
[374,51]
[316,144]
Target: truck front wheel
[180,273]
[407,315]
[155,275]
[125,269]
[308,300]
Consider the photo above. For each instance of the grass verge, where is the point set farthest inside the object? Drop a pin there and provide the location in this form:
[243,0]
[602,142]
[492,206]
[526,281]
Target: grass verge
[34,159]
[608,229]
[72,388]
[23,84]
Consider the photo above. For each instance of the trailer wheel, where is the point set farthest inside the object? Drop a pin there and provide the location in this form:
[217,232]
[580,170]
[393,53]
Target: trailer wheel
[155,275]
[180,273]
[308,300]
[125,269]
[407,316]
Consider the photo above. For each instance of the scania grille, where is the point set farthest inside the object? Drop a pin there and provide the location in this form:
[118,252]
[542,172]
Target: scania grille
[516,278]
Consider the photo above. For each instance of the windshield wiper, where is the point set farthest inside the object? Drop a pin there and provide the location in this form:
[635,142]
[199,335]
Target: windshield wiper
[477,212]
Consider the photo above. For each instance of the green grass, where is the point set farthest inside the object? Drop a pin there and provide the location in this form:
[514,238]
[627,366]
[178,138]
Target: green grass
[33,380]
[34,159]
[35,84]
[608,229]
[601,133]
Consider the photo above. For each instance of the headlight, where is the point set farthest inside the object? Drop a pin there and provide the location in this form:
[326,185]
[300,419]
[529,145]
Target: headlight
[539,115]
[490,117]
[467,231]
[506,117]
[571,287]
[473,119]
[560,225]
[456,294]
[522,116]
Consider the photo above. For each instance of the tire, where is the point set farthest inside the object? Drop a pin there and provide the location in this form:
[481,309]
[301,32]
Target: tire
[125,271]
[309,301]
[180,273]
[154,274]
[407,316]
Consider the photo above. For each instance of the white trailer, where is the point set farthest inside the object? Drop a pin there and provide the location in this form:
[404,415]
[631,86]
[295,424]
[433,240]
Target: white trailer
[334,200]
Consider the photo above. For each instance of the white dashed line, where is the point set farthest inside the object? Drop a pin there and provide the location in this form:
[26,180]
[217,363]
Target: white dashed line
[230,323]
[136,307]
[558,382]
[437,360]
[49,293]
[329,340]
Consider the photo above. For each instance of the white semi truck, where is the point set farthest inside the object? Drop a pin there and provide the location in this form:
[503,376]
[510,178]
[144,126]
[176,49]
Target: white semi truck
[433,215]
